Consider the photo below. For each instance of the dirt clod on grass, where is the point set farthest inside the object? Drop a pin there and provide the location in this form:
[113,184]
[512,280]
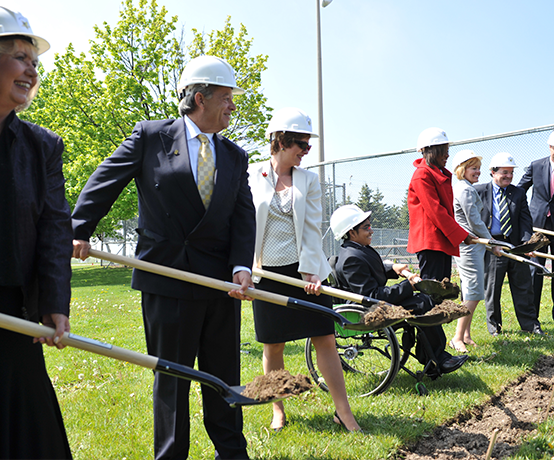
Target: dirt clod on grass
[276,384]
[515,411]
[383,312]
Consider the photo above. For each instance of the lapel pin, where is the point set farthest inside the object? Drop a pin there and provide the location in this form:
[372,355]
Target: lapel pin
[176,152]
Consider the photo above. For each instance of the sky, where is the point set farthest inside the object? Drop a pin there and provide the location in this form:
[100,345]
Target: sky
[390,68]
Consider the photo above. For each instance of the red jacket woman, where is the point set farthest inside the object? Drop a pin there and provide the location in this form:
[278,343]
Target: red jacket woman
[434,233]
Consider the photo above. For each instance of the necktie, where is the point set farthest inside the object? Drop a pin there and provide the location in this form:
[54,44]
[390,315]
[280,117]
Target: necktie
[505,224]
[548,214]
[206,168]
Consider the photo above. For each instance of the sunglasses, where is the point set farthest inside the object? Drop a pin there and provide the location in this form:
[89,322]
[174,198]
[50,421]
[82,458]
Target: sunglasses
[302,144]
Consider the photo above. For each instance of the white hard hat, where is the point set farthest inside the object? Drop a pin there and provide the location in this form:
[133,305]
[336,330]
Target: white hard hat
[290,119]
[14,23]
[503,160]
[208,70]
[346,218]
[551,139]
[431,136]
[462,156]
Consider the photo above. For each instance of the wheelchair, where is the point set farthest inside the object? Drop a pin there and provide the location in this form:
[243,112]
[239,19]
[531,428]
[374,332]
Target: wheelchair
[371,360]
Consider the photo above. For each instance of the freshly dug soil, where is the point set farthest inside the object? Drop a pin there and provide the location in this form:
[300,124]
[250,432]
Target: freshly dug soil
[276,384]
[538,238]
[448,308]
[383,312]
[515,412]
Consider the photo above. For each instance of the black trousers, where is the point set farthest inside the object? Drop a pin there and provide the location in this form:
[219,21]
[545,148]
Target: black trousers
[519,278]
[179,331]
[434,265]
[31,424]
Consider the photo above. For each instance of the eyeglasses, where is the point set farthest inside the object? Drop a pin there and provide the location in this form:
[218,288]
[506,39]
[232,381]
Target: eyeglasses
[302,144]
[365,227]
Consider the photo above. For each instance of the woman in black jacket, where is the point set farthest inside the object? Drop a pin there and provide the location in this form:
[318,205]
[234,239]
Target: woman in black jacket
[35,254]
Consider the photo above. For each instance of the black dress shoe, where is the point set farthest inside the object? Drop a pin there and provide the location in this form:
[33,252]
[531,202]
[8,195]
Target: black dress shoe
[537,330]
[453,364]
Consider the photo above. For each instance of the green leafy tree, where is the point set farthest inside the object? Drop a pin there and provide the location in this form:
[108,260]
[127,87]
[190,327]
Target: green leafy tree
[403,214]
[382,215]
[130,74]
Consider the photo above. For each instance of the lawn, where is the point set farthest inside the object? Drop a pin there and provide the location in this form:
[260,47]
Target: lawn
[107,404]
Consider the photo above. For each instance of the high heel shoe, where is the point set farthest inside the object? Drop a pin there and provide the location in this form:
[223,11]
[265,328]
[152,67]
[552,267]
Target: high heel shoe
[342,424]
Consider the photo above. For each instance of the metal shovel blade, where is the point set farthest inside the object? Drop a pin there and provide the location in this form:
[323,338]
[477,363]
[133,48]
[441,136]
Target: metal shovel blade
[438,290]
[537,241]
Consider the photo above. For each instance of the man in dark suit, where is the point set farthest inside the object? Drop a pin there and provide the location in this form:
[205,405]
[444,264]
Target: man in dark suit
[540,175]
[195,218]
[360,269]
[506,214]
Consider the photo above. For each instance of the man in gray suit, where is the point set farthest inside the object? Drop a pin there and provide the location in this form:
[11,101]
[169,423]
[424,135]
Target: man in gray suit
[506,215]
[540,175]
[195,214]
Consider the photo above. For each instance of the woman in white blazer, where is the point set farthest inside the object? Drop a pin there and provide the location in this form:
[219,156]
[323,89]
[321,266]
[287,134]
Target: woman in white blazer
[288,241]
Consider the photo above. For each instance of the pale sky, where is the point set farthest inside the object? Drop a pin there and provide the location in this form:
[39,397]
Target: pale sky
[390,68]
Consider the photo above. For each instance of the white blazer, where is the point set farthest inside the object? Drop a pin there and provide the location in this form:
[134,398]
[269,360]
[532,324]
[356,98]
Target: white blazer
[306,207]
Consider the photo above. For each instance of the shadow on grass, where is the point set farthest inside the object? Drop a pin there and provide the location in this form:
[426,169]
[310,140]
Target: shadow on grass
[95,276]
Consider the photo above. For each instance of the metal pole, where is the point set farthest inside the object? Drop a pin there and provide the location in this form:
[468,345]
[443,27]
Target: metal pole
[320,102]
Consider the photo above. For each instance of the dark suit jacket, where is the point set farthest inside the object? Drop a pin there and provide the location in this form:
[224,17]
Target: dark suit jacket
[174,228]
[522,226]
[538,176]
[360,269]
[43,219]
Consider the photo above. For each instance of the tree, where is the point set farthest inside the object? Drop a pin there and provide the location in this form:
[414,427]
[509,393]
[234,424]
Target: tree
[382,215]
[403,213]
[131,74]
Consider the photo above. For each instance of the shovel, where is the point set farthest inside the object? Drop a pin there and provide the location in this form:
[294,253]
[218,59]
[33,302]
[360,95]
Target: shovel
[226,286]
[436,289]
[543,270]
[334,292]
[524,248]
[232,395]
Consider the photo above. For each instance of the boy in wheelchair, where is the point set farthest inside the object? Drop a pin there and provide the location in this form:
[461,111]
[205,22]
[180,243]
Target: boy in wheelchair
[359,268]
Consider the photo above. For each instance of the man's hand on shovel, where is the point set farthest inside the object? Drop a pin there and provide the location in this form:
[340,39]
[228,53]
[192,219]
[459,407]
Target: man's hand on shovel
[80,249]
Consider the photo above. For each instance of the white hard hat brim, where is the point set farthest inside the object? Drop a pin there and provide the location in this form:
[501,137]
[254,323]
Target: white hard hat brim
[41,44]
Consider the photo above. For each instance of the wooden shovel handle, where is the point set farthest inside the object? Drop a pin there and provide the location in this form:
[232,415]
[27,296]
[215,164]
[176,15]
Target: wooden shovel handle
[37,330]
[301,284]
[542,230]
[187,276]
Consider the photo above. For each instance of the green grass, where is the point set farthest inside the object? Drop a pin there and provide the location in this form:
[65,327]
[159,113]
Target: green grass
[107,404]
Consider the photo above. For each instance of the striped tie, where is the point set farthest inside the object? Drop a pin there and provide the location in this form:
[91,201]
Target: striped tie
[505,224]
[205,170]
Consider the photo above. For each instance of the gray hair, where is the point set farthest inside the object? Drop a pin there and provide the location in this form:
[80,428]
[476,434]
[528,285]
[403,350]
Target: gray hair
[188,104]
[10,45]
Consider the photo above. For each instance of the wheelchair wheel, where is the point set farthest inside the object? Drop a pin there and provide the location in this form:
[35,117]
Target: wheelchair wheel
[370,360]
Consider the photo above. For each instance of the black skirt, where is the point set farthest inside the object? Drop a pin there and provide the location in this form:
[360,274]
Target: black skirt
[278,324]
[31,424]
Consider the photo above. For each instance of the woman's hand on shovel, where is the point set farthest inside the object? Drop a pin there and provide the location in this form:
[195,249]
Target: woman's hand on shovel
[57,321]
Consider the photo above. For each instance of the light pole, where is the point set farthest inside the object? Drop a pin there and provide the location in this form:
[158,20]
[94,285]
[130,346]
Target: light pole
[324,203]
[324,3]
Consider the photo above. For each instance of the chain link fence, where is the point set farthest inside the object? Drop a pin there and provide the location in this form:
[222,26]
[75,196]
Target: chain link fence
[379,182]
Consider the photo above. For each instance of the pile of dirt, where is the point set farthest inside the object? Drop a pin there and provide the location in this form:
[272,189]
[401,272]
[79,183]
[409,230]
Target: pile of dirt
[538,238]
[276,384]
[515,412]
[448,308]
[383,312]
